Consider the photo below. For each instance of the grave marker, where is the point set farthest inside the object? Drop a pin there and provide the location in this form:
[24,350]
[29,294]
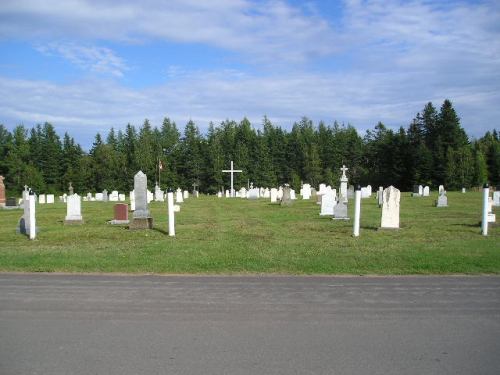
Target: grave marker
[390,208]
[141,217]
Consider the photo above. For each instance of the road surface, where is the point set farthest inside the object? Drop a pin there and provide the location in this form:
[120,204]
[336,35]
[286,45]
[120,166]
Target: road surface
[104,324]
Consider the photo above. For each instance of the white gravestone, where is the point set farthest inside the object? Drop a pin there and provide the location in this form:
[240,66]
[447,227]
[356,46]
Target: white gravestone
[99,197]
[50,198]
[178,196]
[292,195]
[253,193]
[496,198]
[41,199]
[73,210]
[158,194]
[380,196]
[420,190]
[219,194]
[121,197]
[390,208]
[306,191]
[440,189]
[280,193]
[327,203]
[274,195]
[426,192]
[132,201]
[267,193]
[113,197]
[228,194]
[365,192]
[185,194]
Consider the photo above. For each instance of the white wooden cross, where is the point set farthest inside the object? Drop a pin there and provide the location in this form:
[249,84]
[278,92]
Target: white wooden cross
[232,171]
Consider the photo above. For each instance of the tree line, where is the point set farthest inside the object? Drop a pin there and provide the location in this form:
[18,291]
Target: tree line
[432,150]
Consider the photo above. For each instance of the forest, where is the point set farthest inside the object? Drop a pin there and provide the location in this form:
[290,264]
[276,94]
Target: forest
[432,149]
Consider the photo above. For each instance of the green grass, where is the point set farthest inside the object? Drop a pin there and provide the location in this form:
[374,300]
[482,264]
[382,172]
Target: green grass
[240,236]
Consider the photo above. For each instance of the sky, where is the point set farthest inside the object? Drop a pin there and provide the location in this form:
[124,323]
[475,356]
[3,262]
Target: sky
[88,65]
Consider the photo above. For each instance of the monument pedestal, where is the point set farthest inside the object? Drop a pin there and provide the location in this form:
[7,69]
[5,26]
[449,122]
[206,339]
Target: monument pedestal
[73,221]
[141,223]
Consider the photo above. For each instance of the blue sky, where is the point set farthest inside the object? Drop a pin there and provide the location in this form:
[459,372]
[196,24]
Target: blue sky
[88,65]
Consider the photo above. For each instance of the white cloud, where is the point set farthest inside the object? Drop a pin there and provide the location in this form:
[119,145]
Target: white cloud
[90,58]
[266,30]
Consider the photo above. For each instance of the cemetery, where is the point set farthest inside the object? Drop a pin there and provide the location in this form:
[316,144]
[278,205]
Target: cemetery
[253,233]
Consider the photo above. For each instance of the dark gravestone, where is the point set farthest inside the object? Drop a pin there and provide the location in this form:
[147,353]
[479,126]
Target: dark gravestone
[121,214]
[286,200]
[11,202]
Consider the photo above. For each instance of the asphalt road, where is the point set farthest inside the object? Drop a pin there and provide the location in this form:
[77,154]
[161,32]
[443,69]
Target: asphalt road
[86,324]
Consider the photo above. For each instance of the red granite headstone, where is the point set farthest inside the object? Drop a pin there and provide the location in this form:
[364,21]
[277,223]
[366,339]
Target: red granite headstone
[121,211]
[2,191]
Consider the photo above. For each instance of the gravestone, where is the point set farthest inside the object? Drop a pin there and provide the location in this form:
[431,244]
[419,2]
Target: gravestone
[64,197]
[11,203]
[185,194]
[74,210]
[496,198]
[390,208]
[380,196]
[343,193]
[350,192]
[306,191]
[141,217]
[328,203]
[121,197]
[132,201]
[228,194]
[340,210]
[149,196]
[105,197]
[365,192]
[420,190]
[158,194]
[41,199]
[70,189]
[219,194]
[440,189]
[99,197]
[243,192]
[113,197]
[463,190]
[178,196]
[286,199]
[27,223]
[89,197]
[121,214]
[292,195]
[2,192]
[50,198]
[280,193]
[426,191]
[274,195]
[415,192]
[442,200]
[253,193]
[267,193]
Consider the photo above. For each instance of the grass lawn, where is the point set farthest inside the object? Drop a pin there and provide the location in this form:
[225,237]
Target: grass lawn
[241,236]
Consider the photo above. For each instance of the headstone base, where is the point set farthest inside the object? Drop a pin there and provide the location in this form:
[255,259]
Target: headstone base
[341,218]
[118,222]
[141,223]
[387,228]
[73,221]
[11,207]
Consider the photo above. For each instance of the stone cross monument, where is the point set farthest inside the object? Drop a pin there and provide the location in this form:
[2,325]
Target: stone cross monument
[232,171]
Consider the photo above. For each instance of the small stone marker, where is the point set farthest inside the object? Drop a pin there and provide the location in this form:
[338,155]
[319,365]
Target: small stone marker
[463,190]
[121,197]
[286,199]
[253,193]
[416,191]
[99,197]
[426,191]
[70,189]
[390,208]
[185,194]
[292,195]
[440,189]
[105,197]
[158,194]
[74,210]
[50,198]
[149,196]
[121,214]
[11,203]
[219,194]
[141,217]
[228,194]
[41,199]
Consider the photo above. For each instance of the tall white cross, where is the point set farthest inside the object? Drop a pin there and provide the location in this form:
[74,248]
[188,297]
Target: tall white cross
[232,171]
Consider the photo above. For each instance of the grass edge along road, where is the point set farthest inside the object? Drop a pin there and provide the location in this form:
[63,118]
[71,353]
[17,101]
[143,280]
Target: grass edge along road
[239,236]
